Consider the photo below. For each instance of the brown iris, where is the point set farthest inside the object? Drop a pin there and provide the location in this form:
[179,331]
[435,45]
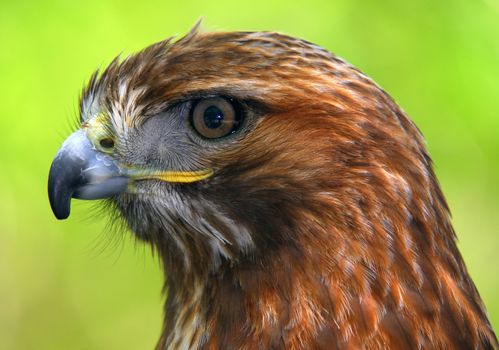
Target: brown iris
[215,117]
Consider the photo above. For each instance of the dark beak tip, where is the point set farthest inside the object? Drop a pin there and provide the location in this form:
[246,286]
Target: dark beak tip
[60,203]
[61,215]
[61,210]
[59,194]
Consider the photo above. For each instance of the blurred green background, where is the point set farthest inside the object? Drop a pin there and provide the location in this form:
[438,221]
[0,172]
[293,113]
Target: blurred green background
[73,285]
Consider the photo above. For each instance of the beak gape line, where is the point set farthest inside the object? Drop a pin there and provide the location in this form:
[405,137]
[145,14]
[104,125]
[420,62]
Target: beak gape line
[81,171]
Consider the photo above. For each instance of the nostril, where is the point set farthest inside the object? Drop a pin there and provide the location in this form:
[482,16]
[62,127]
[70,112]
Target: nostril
[107,143]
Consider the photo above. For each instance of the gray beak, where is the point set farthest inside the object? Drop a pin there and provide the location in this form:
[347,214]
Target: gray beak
[80,171]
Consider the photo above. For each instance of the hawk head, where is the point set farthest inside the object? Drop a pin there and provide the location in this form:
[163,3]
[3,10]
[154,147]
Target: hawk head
[292,201]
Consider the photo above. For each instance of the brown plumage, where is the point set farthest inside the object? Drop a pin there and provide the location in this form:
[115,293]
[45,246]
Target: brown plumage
[322,226]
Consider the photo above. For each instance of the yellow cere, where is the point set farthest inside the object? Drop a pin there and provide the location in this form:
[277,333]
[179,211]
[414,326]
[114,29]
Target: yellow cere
[97,129]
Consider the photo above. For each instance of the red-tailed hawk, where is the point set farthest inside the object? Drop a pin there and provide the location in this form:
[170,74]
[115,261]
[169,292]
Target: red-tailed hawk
[292,202]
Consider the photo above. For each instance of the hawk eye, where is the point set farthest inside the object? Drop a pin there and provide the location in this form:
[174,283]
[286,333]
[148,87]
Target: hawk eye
[215,117]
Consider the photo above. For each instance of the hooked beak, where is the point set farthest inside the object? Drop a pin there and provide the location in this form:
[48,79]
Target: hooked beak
[81,171]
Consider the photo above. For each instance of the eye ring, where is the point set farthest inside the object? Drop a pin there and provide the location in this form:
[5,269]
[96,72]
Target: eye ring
[215,117]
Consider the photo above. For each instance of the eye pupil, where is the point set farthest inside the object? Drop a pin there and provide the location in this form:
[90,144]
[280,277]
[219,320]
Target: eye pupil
[213,117]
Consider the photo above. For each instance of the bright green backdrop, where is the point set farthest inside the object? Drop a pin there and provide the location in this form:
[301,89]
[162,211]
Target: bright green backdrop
[69,285]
